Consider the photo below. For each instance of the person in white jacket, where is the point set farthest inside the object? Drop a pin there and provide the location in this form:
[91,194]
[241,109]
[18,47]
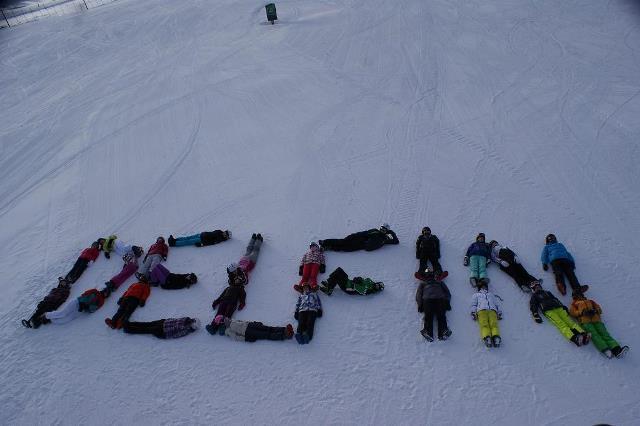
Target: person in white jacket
[486,310]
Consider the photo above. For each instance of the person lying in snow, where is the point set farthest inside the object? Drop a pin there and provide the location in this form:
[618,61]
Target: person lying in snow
[168,328]
[136,295]
[161,276]
[356,286]
[562,264]
[485,309]
[130,266]
[156,254]
[89,301]
[308,308]
[311,264]
[88,255]
[588,312]
[369,240]
[207,238]
[434,300]
[477,257]
[52,301]
[107,245]
[556,312]
[509,263]
[428,250]
[251,331]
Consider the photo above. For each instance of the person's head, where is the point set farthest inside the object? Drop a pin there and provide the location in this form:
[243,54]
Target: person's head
[314,245]
[577,295]
[137,251]
[62,283]
[101,242]
[480,238]
[385,227]
[232,268]
[195,323]
[482,285]
[192,278]
[426,231]
[306,288]
[95,245]
[551,238]
[493,243]
[227,234]
[160,240]
[535,286]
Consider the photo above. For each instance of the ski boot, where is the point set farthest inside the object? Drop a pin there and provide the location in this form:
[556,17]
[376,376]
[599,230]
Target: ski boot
[26,323]
[561,288]
[427,336]
[488,342]
[324,287]
[586,337]
[211,329]
[620,352]
[110,323]
[474,282]
[259,237]
[445,335]
[576,339]
[497,340]
[607,353]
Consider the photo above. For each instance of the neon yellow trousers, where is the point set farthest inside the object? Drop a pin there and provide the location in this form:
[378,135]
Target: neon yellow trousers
[488,323]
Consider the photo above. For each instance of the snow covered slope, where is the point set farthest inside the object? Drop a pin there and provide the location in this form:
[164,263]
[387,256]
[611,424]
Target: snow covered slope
[511,117]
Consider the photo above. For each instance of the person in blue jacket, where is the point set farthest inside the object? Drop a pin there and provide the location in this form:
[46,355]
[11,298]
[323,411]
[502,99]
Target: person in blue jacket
[562,264]
[477,257]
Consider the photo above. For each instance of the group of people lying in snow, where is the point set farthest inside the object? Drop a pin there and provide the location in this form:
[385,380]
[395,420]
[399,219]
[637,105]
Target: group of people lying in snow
[580,323]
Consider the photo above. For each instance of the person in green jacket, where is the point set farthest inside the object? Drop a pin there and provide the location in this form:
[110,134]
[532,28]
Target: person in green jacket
[356,286]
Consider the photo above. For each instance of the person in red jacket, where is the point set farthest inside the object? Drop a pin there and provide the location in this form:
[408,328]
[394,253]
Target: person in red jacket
[88,255]
[156,254]
[311,264]
[136,295]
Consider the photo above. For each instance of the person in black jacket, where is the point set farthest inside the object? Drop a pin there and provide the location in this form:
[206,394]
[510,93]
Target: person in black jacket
[369,240]
[234,296]
[434,299]
[556,313]
[51,302]
[428,250]
[510,264]
[206,238]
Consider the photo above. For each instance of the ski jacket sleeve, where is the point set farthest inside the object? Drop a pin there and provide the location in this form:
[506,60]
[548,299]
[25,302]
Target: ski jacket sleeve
[243,296]
[469,250]
[544,256]
[533,305]
[496,302]
[393,239]
[571,258]
[437,245]
[217,301]
[446,290]
[419,294]
[598,308]
[418,247]
[474,303]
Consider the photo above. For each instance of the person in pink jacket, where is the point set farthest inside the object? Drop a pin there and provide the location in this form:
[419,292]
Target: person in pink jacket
[156,254]
[311,264]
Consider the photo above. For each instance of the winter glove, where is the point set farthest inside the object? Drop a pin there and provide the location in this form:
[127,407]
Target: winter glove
[536,318]
[448,305]
[141,303]
[323,268]
[164,258]
[241,306]
[504,263]
[295,315]
[474,316]
[488,261]
[300,270]
[500,316]
[107,255]
[417,256]
[319,314]
[465,262]
[420,309]
[545,266]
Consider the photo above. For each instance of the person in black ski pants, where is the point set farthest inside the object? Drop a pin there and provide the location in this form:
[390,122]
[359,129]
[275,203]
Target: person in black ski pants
[510,264]
[369,240]
[428,250]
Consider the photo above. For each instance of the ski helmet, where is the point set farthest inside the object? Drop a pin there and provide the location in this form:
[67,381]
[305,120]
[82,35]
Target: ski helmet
[232,267]
[480,235]
[551,238]
[385,226]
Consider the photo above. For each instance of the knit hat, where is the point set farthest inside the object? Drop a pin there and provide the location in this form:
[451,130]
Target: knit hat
[232,267]
[195,324]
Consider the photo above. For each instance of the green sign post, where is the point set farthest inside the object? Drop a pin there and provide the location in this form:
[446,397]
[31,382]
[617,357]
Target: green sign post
[271,12]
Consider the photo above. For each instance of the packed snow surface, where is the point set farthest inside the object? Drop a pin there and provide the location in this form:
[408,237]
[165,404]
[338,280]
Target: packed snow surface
[155,117]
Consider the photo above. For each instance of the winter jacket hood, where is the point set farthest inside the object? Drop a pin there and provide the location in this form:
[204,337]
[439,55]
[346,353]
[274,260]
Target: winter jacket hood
[585,311]
[484,300]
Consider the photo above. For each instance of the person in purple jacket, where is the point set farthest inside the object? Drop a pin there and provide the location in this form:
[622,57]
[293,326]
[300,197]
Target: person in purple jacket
[169,328]
[562,264]
[477,257]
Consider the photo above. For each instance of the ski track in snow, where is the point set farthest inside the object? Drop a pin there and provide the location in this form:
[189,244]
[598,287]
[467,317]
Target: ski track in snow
[514,118]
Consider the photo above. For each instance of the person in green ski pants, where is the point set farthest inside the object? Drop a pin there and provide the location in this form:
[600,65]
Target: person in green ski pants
[588,312]
[556,312]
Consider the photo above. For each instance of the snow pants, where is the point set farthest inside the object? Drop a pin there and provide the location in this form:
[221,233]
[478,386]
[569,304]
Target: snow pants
[435,308]
[600,336]
[563,322]
[159,275]
[78,268]
[259,331]
[153,327]
[434,263]
[478,266]
[310,274]
[190,240]
[350,243]
[306,322]
[562,268]
[149,263]
[250,258]
[127,306]
[519,275]
[488,323]
[128,269]
[66,313]
[226,309]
